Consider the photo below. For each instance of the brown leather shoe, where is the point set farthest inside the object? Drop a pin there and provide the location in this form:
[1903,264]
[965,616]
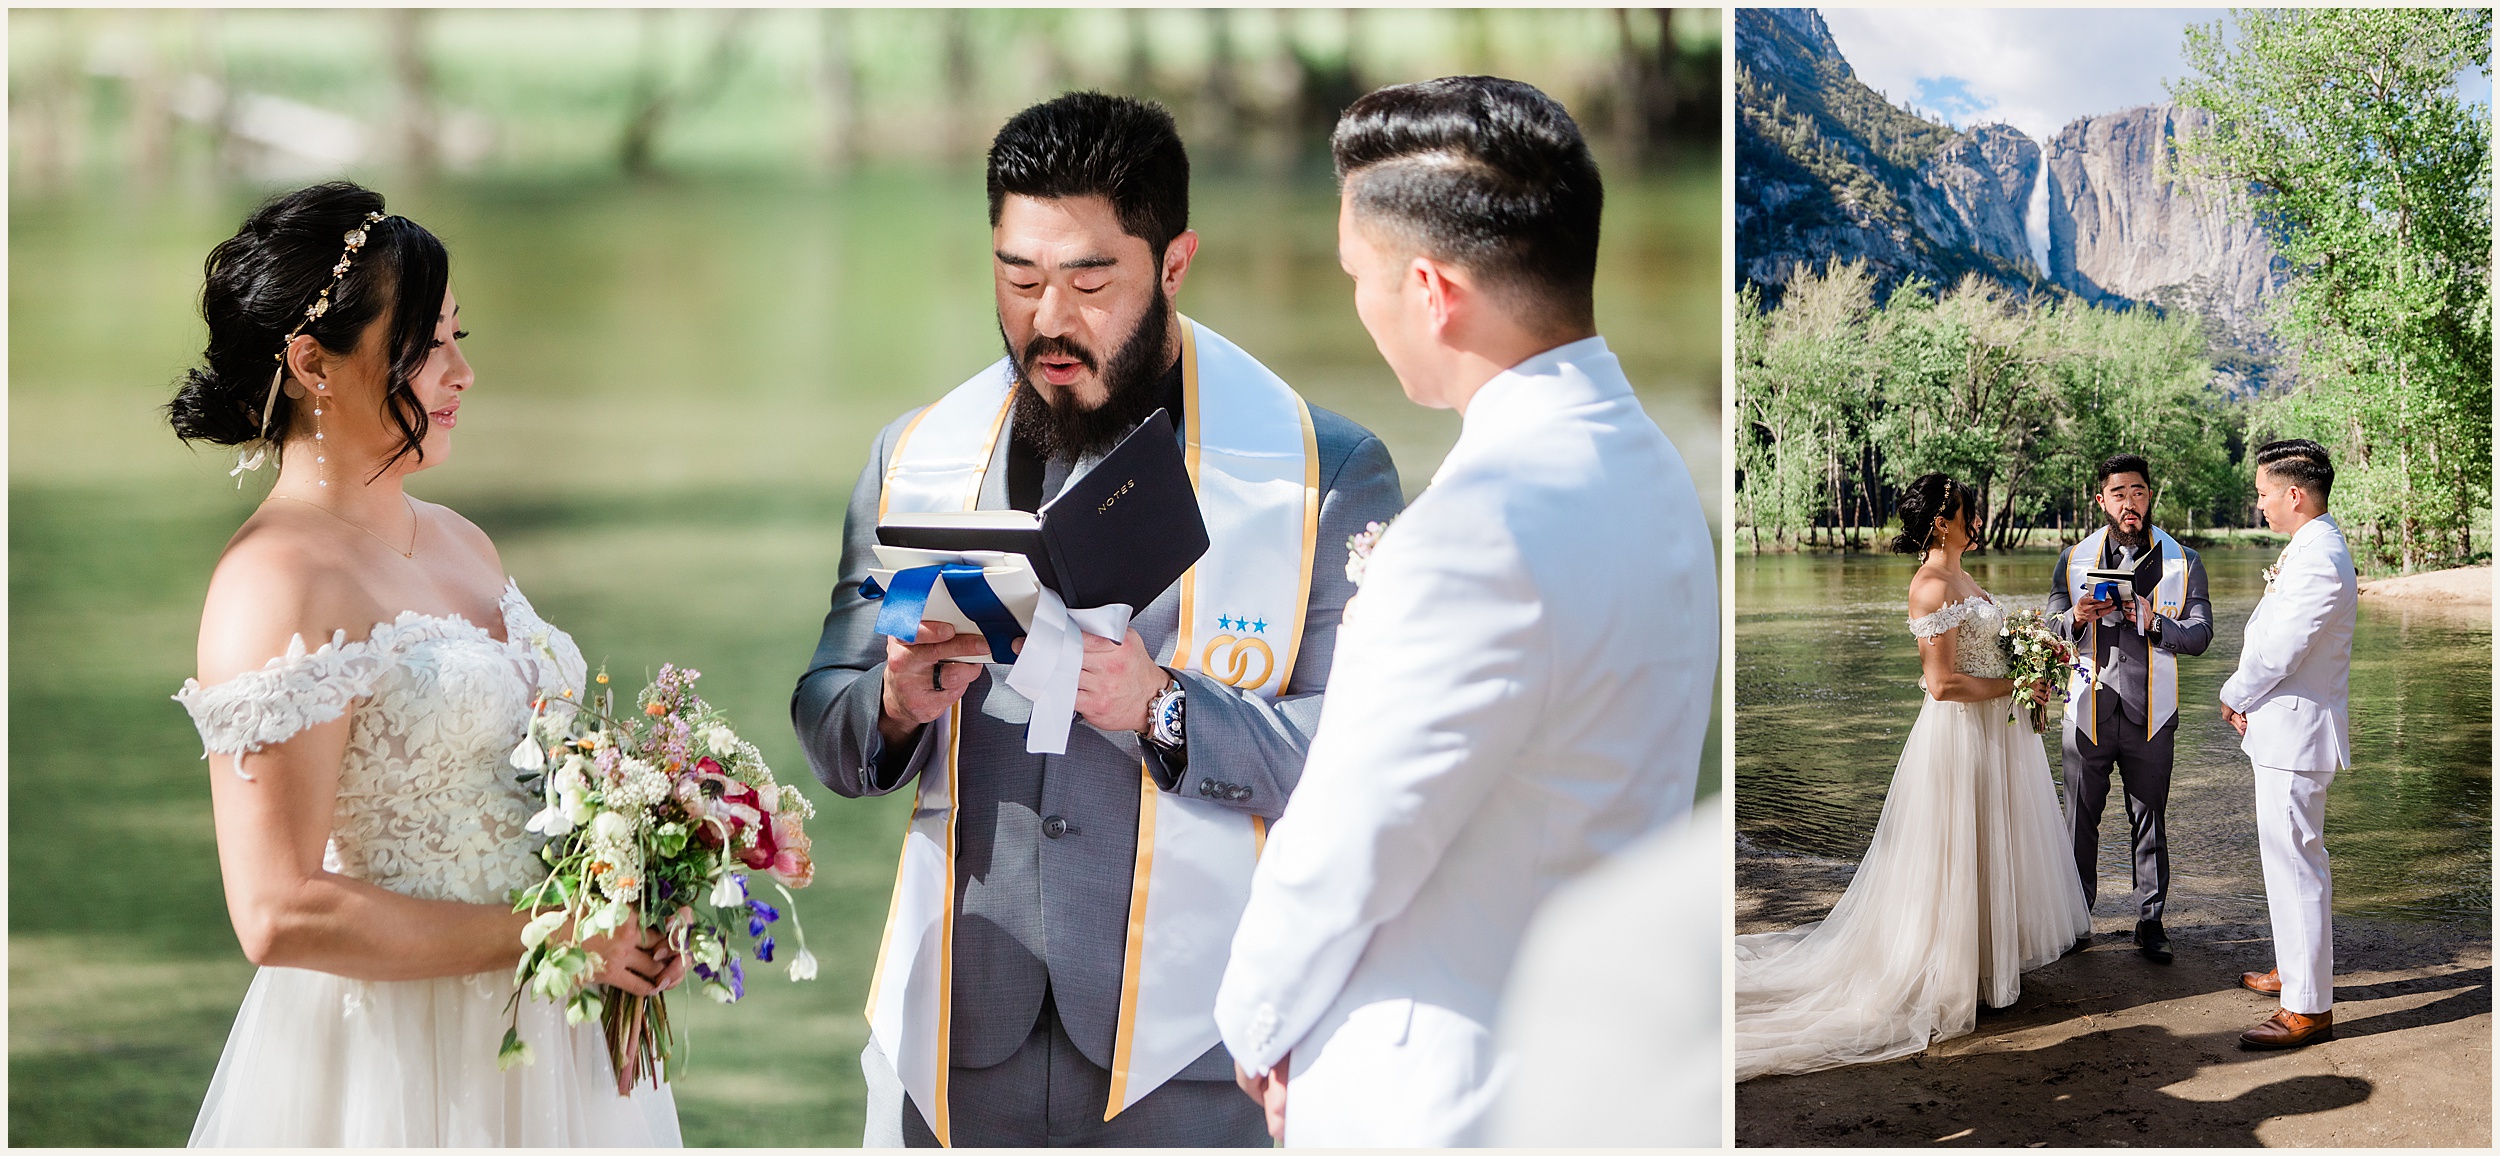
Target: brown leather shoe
[2262,982]
[2290,1029]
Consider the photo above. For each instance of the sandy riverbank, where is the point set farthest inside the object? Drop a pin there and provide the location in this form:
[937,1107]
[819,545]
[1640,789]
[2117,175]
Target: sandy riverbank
[2108,1049]
[2463,586]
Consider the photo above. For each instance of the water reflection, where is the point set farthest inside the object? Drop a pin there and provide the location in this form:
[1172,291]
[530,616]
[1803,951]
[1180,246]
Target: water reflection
[1827,687]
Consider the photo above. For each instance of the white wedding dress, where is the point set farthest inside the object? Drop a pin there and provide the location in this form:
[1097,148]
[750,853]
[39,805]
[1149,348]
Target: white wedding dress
[427,806]
[1968,883]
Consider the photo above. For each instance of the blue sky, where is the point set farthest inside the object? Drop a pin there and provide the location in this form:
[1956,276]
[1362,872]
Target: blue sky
[2033,68]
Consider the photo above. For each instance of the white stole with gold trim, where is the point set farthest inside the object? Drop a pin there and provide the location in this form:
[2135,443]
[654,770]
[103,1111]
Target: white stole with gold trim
[2161,691]
[1253,456]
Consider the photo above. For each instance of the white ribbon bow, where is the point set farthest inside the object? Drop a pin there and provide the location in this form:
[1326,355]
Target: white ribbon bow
[1046,669]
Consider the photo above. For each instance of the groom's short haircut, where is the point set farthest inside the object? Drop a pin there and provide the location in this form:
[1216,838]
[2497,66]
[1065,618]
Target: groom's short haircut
[2122,464]
[1488,174]
[2299,462]
[1091,144]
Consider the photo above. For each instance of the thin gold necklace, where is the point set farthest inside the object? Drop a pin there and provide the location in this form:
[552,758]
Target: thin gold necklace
[414,523]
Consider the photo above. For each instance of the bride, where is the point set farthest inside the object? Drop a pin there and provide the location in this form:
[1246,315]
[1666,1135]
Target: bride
[1968,882]
[369,828]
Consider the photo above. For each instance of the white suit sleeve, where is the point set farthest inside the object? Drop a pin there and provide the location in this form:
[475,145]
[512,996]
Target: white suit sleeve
[1440,667]
[2296,611]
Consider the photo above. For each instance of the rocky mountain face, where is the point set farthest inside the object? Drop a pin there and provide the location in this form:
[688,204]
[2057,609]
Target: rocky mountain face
[1827,167]
[2125,227]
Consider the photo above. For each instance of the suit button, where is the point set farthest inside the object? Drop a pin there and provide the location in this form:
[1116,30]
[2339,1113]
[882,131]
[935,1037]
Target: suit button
[1054,826]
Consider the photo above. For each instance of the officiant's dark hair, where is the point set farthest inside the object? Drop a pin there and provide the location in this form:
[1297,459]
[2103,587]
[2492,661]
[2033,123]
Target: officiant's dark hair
[1093,144]
[259,282]
[1922,502]
[2301,462]
[1488,174]
[2122,464]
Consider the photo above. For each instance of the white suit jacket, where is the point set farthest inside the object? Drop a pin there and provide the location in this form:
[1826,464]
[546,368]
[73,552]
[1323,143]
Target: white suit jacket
[1521,687]
[2296,657]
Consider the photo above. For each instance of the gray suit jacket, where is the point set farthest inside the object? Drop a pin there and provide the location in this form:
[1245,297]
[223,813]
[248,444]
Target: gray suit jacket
[2190,633]
[1035,908]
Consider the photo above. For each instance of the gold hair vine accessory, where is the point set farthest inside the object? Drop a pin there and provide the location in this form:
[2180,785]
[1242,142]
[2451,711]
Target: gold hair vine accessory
[252,453]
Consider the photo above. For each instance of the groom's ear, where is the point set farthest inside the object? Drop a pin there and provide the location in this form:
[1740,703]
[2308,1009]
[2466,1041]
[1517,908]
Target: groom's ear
[1446,291]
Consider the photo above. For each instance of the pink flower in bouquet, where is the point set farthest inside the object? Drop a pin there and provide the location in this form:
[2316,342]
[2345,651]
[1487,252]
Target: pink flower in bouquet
[790,862]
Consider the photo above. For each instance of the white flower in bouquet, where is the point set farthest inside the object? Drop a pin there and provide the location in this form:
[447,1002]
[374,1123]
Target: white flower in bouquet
[542,927]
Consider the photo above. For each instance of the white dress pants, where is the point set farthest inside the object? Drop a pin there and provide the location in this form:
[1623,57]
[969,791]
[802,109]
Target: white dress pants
[2291,844]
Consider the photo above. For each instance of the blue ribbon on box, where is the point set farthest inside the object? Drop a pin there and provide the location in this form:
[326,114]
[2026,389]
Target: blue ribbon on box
[908,599]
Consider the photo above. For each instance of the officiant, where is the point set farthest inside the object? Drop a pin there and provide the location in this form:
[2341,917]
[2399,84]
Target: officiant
[2132,599]
[1048,968]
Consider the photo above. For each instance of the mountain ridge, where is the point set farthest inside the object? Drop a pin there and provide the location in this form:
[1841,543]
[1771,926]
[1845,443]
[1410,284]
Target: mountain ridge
[1828,168]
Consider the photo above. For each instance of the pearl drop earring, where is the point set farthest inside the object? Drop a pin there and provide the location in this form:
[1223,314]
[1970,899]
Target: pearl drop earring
[321,455]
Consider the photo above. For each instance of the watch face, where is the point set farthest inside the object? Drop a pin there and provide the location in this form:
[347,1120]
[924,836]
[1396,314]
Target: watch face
[1165,728]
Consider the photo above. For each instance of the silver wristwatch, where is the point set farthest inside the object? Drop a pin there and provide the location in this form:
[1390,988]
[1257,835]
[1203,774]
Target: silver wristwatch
[1165,727]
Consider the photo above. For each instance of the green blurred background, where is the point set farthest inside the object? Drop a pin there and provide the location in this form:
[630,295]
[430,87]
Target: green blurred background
[704,256]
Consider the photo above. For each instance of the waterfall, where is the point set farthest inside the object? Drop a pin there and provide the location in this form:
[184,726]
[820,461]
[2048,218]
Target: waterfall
[2036,216]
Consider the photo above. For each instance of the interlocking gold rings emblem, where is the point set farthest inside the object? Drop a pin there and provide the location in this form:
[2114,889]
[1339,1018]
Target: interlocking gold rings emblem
[1234,671]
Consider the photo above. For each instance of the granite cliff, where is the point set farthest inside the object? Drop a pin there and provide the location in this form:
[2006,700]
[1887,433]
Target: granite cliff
[1827,167]
[2125,227]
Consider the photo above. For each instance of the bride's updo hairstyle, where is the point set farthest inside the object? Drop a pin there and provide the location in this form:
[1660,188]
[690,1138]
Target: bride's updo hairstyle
[259,283]
[1931,497]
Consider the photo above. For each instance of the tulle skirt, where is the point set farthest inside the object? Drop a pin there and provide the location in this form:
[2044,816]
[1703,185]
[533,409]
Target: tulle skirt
[317,1060]
[1969,882]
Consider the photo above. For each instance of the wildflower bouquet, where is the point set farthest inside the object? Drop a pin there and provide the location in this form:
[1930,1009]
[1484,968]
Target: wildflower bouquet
[654,819]
[2038,662]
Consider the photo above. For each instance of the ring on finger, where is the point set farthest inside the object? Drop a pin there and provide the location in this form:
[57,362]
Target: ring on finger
[937,676]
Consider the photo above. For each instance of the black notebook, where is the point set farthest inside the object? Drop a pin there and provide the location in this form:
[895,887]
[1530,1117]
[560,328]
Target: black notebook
[1124,532]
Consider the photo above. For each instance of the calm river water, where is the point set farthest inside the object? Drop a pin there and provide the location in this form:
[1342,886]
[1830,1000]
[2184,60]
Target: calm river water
[1826,690]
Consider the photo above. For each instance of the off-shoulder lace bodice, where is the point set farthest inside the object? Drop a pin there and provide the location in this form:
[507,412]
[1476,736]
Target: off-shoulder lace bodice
[427,802]
[1975,649]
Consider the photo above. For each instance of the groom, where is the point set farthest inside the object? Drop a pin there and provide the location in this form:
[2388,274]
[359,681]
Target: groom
[2287,700]
[1523,683]
[1060,920]
[2123,709]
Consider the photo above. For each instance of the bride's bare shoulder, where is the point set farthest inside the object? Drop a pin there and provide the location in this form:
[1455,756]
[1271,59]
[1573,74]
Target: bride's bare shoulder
[1929,591]
[282,575]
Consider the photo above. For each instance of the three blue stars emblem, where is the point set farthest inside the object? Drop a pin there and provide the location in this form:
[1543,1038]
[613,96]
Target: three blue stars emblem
[1254,626]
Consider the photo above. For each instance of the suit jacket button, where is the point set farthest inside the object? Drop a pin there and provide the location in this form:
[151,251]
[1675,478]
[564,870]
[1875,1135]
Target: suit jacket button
[1054,826]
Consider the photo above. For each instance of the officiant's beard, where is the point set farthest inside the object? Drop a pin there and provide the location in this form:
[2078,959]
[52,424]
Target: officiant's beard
[2135,541]
[1067,431]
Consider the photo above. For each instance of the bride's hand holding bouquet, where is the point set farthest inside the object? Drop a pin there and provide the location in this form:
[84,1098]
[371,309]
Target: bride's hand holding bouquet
[655,820]
[2038,661]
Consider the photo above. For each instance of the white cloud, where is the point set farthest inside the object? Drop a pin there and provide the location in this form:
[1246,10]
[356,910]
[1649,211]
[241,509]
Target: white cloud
[2033,68]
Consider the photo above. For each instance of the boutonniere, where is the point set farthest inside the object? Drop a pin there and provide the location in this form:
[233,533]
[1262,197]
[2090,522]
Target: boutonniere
[1358,550]
[2270,573]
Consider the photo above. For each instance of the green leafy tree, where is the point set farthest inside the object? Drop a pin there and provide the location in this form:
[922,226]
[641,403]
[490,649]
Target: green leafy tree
[2374,178]
[1842,401]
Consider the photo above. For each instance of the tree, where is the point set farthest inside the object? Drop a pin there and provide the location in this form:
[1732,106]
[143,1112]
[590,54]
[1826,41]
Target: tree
[1841,401]
[2374,179]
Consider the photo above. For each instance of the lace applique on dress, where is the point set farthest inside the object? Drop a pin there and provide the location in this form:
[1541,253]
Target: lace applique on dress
[1945,618]
[295,691]
[1975,648]
[427,801]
